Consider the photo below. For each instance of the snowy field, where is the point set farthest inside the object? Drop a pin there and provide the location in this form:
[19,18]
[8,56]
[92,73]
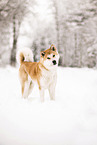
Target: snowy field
[69,120]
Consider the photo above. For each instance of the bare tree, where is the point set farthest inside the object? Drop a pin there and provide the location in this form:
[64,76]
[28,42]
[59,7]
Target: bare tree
[12,13]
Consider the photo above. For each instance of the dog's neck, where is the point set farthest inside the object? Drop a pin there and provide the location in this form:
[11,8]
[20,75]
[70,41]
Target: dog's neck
[46,69]
[42,66]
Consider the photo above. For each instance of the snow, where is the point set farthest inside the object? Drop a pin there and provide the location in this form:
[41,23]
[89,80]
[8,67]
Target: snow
[69,120]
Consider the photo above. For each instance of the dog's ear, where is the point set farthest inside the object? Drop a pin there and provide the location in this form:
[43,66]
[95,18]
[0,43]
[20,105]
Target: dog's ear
[53,48]
[42,53]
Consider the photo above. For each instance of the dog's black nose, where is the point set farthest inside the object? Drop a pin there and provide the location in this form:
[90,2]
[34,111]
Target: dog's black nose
[54,62]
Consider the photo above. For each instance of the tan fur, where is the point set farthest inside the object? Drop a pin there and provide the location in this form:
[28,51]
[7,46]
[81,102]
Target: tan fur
[36,71]
[21,58]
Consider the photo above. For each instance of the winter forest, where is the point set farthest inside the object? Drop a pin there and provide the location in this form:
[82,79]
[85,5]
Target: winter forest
[71,25]
[70,119]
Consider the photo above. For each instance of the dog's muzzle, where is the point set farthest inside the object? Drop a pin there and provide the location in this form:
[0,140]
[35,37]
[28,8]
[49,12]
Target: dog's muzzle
[54,62]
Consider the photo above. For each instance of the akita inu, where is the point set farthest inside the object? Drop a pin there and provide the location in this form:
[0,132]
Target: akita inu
[43,72]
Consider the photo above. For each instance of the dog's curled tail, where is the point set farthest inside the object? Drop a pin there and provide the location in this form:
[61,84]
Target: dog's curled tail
[22,58]
[24,55]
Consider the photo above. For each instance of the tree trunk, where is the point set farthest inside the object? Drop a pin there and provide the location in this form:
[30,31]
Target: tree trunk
[13,51]
[57,29]
[75,51]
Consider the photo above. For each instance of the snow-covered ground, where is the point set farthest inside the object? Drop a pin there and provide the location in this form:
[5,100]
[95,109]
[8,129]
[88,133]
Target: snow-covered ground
[69,120]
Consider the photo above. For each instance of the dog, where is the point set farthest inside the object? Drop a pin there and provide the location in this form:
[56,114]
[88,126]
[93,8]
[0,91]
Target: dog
[43,72]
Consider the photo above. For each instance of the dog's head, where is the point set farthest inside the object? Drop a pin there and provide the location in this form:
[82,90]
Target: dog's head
[50,57]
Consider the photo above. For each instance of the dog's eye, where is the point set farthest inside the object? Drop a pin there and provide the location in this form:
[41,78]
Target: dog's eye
[53,55]
[48,57]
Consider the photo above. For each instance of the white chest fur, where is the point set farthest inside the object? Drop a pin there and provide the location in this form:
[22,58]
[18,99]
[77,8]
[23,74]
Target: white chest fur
[48,78]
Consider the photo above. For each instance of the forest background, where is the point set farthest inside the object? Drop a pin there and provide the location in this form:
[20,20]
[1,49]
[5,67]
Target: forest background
[71,25]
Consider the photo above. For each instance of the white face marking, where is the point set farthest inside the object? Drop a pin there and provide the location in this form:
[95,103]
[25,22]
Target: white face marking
[52,62]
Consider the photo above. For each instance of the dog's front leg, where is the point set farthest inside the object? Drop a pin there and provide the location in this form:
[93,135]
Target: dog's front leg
[52,91]
[41,95]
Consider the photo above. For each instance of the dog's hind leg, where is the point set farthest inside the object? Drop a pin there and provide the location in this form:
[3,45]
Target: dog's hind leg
[31,85]
[23,85]
[26,89]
